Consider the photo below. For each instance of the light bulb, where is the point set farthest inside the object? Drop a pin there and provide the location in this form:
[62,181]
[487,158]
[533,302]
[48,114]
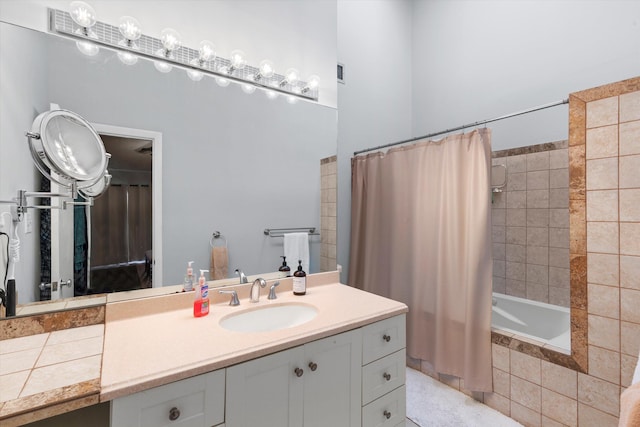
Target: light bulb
[222,82]
[292,99]
[238,61]
[266,70]
[195,75]
[247,88]
[162,66]
[312,84]
[271,94]
[290,77]
[223,69]
[171,40]
[82,14]
[87,48]
[127,58]
[206,51]
[129,28]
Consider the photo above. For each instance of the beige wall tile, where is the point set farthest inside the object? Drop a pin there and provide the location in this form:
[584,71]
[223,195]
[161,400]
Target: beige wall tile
[538,180]
[537,161]
[498,402]
[516,271]
[498,234]
[630,338]
[630,272]
[630,204]
[560,379]
[629,167]
[537,274]
[516,235]
[516,181]
[538,255]
[548,422]
[537,236]
[559,296]
[516,253]
[525,366]
[627,368]
[602,205]
[604,332]
[517,164]
[559,277]
[499,251]
[11,385]
[499,200]
[602,112]
[589,416]
[559,218]
[516,199]
[630,238]
[516,288]
[630,106]
[498,216]
[602,142]
[559,178]
[559,159]
[559,408]
[602,237]
[604,364]
[18,361]
[537,292]
[603,269]
[537,199]
[630,305]
[599,394]
[602,174]
[499,285]
[604,300]
[559,198]
[500,357]
[526,416]
[559,257]
[559,238]
[501,382]
[630,138]
[24,343]
[516,217]
[525,393]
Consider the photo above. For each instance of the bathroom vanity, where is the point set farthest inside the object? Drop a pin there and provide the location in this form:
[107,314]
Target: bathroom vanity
[343,367]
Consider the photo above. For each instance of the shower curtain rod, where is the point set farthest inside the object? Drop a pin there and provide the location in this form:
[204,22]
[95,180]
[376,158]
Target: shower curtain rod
[481,122]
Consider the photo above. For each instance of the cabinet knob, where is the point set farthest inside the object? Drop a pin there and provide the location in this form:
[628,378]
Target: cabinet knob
[313,366]
[386,337]
[387,376]
[387,414]
[298,372]
[174,413]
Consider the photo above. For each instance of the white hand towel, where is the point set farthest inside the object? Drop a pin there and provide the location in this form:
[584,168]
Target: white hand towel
[296,247]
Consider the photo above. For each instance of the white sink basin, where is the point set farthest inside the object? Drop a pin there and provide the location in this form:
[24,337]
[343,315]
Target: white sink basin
[269,318]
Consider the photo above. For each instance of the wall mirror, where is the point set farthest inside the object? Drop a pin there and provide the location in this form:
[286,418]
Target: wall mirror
[226,161]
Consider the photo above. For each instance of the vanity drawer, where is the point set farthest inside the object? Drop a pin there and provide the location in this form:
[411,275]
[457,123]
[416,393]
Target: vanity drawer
[389,410]
[382,338]
[383,375]
[197,401]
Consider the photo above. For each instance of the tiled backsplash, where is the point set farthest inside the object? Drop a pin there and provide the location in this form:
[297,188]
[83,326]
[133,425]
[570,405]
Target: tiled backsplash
[531,224]
[328,214]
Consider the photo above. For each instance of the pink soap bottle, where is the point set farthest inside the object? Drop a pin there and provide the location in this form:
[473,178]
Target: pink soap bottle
[201,303]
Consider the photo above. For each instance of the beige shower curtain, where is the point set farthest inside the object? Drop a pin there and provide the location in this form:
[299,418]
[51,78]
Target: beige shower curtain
[420,234]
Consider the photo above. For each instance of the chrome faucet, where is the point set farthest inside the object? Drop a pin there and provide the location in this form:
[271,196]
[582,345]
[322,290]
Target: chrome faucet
[243,278]
[254,295]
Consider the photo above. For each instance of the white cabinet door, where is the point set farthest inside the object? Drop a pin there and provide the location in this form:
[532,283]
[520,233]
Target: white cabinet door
[266,391]
[332,379]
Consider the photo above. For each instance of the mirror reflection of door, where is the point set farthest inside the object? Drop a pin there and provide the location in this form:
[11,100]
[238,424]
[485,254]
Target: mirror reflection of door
[120,256]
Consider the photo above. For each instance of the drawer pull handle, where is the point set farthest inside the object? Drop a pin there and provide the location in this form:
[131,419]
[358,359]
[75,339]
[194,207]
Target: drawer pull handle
[174,413]
[386,337]
[387,376]
[313,366]
[298,372]
[387,414]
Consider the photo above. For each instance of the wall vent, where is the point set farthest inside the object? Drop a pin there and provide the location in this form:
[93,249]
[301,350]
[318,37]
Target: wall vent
[340,73]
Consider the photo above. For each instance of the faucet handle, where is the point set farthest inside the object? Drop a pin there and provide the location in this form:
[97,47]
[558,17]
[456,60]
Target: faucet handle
[234,297]
[272,291]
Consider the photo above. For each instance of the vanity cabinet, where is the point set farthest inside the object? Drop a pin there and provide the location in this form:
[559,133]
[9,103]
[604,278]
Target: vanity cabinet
[193,402]
[316,384]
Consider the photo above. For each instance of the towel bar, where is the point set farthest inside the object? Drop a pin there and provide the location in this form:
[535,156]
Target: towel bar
[280,232]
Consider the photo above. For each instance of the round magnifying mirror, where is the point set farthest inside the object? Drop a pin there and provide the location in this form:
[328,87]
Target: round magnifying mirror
[65,143]
[98,189]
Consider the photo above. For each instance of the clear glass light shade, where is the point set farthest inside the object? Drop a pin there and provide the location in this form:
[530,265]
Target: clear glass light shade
[238,59]
[223,69]
[195,75]
[266,68]
[130,28]
[247,88]
[127,58]
[206,51]
[88,48]
[171,39]
[291,76]
[82,14]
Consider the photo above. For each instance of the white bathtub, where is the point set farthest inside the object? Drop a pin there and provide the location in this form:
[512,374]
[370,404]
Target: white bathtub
[546,323]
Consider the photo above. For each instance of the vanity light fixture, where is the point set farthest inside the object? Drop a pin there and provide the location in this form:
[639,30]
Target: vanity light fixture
[312,84]
[166,52]
[248,88]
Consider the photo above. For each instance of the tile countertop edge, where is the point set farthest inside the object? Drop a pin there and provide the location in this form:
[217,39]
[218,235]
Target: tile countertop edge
[110,391]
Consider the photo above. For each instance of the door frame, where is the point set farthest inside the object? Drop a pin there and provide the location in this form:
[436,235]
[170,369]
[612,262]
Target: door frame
[156,192]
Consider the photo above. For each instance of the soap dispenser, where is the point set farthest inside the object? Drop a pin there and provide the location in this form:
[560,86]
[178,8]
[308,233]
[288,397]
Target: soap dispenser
[299,281]
[188,278]
[201,302]
[285,270]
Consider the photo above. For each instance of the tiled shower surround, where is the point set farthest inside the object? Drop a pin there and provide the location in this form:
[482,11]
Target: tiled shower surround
[531,224]
[541,387]
[328,214]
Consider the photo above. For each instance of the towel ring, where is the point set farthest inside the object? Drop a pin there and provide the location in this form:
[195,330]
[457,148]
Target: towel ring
[217,235]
